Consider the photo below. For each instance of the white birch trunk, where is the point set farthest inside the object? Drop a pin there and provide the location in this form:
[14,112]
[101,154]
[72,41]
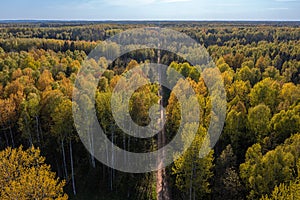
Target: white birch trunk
[91,141]
[72,169]
[64,159]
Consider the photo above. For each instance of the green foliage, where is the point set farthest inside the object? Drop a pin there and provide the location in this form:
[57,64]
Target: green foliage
[285,123]
[265,92]
[258,121]
[192,171]
[226,178]
[261,173]
[184,70]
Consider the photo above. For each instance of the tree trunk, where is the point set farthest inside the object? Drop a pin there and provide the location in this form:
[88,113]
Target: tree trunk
[194,195]
[191,181]
[111,180]
[93,150]
[91,141]
[6,139]
[107,155]
[108,169]
[124,147]
[112,159]
[30,139]
[72,169]
[12,137]
[64,159]
[28,132]
[37,129]
[194,177]
[40,128]
[128,147]
[59,174]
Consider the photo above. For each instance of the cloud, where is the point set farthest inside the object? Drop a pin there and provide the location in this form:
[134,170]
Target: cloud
[173,1]
[111,4]
[129,3]
[228,5]
[277,8]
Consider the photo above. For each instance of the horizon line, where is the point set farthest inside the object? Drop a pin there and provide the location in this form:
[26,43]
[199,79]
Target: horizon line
[154,20]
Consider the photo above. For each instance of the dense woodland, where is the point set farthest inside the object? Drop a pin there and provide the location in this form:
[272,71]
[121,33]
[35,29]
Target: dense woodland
[256,157]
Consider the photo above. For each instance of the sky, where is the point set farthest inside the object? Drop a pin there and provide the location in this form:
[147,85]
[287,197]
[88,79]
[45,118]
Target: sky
[150,10]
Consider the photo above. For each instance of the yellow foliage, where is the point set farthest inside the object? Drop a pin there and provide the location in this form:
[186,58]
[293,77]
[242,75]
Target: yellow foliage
[23,175]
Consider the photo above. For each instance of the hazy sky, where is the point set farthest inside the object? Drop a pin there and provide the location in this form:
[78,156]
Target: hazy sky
[151,9]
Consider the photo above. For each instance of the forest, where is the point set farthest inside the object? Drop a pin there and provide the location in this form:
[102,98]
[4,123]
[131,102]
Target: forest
[256,157]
